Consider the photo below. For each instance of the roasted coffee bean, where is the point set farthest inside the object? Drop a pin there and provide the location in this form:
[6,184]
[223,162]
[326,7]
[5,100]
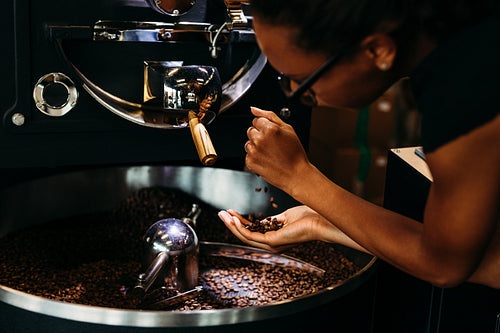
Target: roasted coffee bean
[94,259]
[264,225]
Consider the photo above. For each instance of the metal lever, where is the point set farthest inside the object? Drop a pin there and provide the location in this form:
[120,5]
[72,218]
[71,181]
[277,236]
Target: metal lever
[146,279]
[174,300]
[192,216]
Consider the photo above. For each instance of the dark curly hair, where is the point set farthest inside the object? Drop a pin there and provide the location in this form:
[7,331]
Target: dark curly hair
[328,25]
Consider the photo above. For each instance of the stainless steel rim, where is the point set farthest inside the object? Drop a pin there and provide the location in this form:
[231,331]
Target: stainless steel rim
[186,178]
[144,318]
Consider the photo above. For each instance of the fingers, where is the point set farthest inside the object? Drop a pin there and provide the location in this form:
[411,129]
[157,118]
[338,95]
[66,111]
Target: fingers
[246,146]
[234,224]
[269,115]
[252,132]
[238,222]
[263,121]
[257,133]
[263,124]
[253,135]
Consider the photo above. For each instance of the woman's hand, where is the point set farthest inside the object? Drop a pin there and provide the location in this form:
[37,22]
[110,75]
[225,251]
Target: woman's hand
[300,224]
[274,151]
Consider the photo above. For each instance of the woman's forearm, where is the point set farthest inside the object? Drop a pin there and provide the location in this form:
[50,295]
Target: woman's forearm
[332,235]
[387,235]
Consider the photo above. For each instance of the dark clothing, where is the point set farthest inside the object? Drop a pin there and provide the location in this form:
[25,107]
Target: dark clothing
[457,87]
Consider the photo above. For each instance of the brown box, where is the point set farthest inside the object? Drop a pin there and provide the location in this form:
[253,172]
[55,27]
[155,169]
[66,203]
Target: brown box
[341,165]
[337,128]
[334,150]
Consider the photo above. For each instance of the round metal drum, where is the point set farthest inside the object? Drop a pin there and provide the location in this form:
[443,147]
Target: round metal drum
[69,194]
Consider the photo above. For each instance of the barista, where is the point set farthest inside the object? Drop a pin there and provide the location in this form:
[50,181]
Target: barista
[345,54]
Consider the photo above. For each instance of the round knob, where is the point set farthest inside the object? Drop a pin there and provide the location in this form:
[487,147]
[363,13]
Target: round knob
[55,94]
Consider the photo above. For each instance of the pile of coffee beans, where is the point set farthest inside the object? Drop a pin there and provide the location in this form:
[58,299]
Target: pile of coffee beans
[233,283]
[264,225]
[95,259]
[242,284]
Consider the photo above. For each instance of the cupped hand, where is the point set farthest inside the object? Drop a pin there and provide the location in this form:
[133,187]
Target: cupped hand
[300,224]
[274,151]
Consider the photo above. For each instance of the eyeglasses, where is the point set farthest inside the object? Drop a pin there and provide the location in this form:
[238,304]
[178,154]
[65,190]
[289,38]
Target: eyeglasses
[303,93]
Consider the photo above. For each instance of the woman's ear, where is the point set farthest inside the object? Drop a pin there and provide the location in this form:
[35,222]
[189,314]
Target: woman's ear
[382,49]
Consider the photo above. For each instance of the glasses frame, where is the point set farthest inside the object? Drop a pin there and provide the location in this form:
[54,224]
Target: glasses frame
[299,94]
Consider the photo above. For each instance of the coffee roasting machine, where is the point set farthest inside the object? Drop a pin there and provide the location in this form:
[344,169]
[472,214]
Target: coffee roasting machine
[67,64]
[101,98]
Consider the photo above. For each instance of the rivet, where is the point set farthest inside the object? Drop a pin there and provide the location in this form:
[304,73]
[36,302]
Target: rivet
[18,119]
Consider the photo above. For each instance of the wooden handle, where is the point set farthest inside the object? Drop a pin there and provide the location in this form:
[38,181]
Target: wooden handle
[202,141]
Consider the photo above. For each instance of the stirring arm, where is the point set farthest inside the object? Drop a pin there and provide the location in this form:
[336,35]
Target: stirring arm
[146,279]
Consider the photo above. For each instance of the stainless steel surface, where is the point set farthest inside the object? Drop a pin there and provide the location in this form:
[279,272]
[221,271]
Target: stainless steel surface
[154,299]
[169,302]
[65,105]
[285,113]
[160,32]
[256,255]
[172,7]
[191,94]
[95,190]
[178,90]
[175,244]
[214,39]
[238,85]
[192,216]
[146,279]
[155,32]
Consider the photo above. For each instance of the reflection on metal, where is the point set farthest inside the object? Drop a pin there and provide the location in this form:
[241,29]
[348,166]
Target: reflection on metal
[136,31]
[155,300]
[182,88]
[214,36]
[237,18]
[194,90]
[199,90]
[171,256]
[138,178]
[102,189]
[172,7]
[60,106]
[168,303]
[155,115]
[256,255]
[239,84]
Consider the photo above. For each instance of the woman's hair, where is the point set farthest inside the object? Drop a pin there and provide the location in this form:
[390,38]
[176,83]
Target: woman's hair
[328,25]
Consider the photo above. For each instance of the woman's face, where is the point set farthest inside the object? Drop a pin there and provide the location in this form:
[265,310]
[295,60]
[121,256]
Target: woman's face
[352,83]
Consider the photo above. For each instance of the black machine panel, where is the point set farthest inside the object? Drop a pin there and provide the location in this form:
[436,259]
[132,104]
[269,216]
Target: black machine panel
[89,134]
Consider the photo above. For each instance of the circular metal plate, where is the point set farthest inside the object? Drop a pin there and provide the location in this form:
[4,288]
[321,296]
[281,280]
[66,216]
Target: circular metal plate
[53,81]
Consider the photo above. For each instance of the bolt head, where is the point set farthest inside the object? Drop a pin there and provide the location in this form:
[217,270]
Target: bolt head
[18,119]
[285,113]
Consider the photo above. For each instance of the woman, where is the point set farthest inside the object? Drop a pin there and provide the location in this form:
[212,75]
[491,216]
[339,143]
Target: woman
[345,54]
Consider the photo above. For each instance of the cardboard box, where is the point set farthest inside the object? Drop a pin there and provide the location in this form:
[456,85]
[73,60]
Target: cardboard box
[342,166]
[335,148]
[337,128]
